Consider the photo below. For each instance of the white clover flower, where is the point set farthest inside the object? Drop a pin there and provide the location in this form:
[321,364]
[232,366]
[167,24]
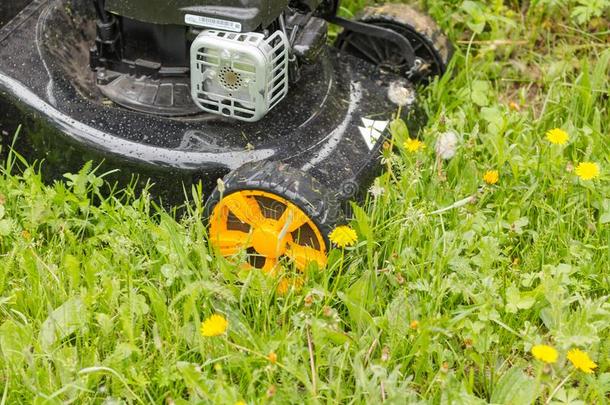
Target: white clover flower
[413,215]
[390,160]
[400,93]
[376,190]
[446,145]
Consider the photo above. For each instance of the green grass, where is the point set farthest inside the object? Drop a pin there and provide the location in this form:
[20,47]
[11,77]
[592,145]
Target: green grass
[101,302]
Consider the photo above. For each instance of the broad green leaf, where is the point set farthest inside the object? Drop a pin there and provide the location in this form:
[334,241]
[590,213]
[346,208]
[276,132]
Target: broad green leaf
[192,378]
[480,92]
[15,339]
[399,129]
[68,318]
[6,227]
[357,312]
[494,117]
[324,334]
[514,388]
[358,298]
[363,223]
[516,300]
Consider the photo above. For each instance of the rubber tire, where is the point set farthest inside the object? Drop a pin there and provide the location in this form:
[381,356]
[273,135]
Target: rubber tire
[417,22]
[317,201]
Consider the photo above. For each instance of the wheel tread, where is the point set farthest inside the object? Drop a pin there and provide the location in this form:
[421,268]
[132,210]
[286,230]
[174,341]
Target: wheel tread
[298,187]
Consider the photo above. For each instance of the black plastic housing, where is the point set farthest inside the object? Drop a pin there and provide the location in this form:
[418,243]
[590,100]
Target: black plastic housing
[251,14]
[65,123]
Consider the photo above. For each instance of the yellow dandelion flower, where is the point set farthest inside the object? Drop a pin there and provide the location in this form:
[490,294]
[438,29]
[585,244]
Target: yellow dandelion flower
[215,325]
[514,106]
[240,403]
[557,136]
[545,353]
[491,176]
[288,282]
[587,170]
[343,236]
[414,145]
[283,286]
[414,324]
[581,361]
[272,357]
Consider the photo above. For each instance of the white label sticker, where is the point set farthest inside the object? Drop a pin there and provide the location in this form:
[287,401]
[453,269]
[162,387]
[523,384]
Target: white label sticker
[372,131]
[209,22]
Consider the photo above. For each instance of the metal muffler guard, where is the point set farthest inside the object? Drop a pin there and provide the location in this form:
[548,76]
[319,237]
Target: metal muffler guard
[239,75]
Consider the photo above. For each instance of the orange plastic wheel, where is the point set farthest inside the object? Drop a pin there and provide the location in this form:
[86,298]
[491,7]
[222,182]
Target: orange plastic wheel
[268,227]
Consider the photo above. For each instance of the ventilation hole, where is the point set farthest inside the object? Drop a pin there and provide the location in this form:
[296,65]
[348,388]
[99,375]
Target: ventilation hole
[243,114]
[270,208]
[254,259]
[230,79]
[234,224]
[305,236]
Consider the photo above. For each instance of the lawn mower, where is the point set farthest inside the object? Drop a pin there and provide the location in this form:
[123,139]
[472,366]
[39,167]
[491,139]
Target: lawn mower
[250,99]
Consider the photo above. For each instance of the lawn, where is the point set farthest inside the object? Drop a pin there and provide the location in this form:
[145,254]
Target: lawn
[462,265]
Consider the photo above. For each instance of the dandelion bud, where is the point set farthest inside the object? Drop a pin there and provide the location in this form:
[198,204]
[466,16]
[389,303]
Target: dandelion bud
[385,354]
[514,106]
[221,186]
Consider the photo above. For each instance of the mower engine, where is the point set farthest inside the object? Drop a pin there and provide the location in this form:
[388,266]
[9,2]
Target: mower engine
[233,58]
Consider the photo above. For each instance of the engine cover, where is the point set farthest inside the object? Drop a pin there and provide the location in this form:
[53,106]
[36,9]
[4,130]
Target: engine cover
[239,75]
[249,14]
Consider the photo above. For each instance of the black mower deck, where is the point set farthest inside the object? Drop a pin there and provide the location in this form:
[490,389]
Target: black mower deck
[66,122]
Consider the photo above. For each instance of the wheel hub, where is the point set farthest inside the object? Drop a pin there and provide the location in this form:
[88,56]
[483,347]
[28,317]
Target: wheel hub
[267,240]
[269,228]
